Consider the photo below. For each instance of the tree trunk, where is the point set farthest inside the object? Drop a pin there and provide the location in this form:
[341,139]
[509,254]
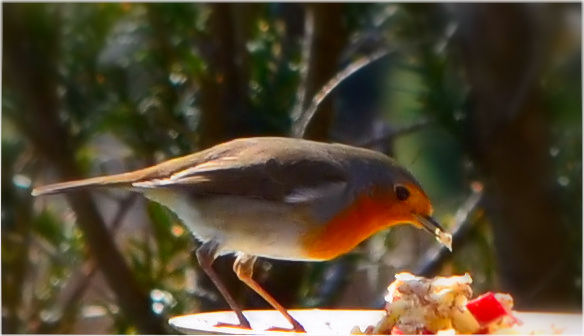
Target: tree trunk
[225,106]
[30,53]
[503,48]
[330,39]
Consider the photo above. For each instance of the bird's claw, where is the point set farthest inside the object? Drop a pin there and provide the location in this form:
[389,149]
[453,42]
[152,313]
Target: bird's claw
[297,328]
[241,325]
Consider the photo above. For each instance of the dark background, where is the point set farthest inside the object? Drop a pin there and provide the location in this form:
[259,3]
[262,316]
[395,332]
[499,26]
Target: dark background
[481,102]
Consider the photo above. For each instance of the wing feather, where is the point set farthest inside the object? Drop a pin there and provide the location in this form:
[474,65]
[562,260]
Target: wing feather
[287,181]
[274,169]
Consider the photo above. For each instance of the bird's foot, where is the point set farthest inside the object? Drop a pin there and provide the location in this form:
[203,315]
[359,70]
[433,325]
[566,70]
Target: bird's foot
[240,325]
[296,327]
[243,322]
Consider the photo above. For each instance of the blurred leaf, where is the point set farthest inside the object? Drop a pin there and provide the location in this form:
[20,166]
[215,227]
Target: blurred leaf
[49,227]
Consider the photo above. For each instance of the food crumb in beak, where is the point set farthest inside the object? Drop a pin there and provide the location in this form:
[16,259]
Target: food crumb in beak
[431,226]
[444,238]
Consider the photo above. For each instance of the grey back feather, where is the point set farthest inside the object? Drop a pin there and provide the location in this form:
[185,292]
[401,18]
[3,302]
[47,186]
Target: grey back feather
[269,168]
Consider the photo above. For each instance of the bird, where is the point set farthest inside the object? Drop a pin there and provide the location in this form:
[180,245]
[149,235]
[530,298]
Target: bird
[277,198]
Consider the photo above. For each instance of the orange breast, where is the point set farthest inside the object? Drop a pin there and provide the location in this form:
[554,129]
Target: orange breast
[364,217]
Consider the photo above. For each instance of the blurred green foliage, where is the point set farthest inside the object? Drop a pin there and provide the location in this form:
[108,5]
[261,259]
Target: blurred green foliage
[133,85]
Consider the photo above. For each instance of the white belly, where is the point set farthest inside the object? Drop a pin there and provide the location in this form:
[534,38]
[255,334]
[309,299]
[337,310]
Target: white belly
[255,227]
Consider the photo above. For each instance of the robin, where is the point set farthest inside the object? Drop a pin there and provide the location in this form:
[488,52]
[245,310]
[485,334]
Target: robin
[278,198]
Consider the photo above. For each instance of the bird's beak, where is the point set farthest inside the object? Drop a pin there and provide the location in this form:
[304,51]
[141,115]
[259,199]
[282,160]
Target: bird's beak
[431,225]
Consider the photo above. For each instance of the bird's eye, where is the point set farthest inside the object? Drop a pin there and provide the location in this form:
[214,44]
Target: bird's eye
[402,193]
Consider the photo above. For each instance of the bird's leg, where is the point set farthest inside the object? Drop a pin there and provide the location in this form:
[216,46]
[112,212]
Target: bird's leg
[243,267]
[206,255]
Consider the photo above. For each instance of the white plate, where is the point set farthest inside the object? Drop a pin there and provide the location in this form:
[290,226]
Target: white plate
[336,321]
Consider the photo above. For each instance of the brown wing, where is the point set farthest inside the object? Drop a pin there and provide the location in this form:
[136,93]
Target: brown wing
[251,173]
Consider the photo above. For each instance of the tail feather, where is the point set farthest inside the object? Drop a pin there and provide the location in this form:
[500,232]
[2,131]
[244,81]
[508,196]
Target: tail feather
[160,170]
[120,180]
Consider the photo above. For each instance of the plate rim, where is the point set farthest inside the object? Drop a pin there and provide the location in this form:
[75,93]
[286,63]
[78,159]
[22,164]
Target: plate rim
[172,321]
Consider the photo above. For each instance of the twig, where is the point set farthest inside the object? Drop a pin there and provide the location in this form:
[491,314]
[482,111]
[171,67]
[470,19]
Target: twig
[395,133]
[300,125]
[88,271]
[435,259]
[116,224]
[550,276]
[125,205]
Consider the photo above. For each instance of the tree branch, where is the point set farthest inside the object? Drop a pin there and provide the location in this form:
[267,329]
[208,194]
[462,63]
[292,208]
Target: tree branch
[390,135]
[300,125]
[462,227]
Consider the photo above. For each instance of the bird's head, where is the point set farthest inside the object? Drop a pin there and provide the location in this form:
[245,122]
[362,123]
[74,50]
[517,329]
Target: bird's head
[405,202]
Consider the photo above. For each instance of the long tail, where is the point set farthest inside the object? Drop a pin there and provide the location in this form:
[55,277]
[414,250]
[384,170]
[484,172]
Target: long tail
[118,180]
[111,180]
[122,180]
[160,170]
